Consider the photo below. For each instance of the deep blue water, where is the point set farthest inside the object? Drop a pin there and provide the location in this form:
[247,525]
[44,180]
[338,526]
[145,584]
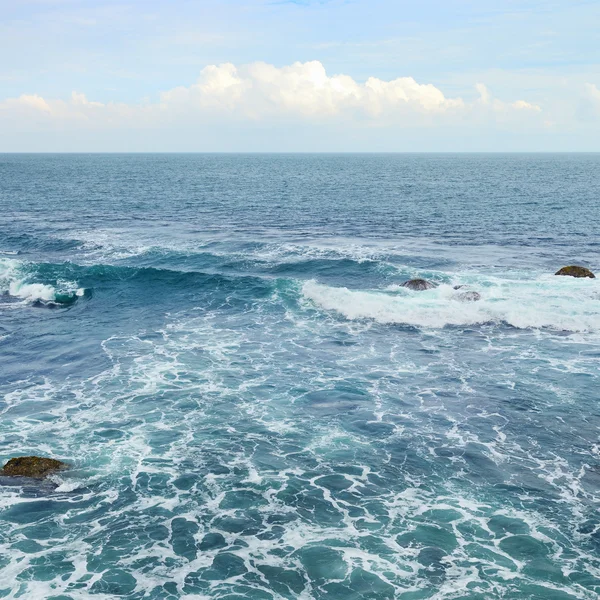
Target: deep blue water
[254,408]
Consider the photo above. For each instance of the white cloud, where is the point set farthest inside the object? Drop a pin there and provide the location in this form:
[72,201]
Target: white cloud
[522,105]
[304,89]
[27,101]
[81,100]
[589,105]
[487,100]
[593,92]
[261,91]
[484,94]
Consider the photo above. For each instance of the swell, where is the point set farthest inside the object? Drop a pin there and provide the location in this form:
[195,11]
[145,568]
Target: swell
[63,283]
[26,243]
[254,259]
[141,275]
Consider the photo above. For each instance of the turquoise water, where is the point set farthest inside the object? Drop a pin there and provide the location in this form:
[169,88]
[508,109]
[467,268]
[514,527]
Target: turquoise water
[254,408]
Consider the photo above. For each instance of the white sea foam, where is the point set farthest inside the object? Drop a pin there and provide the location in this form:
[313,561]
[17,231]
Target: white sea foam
[190,379]
[562,304]
[8,268]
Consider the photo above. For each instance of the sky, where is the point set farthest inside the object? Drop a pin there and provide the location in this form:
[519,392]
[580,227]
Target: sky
[299,75]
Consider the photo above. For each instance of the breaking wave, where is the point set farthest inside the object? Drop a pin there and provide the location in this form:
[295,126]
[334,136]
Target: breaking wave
[17,282]
[562,304]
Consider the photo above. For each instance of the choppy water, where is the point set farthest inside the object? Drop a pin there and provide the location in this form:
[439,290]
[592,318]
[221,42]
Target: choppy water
[255,409]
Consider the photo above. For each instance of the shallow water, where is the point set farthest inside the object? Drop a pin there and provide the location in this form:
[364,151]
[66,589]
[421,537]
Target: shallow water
[255,408]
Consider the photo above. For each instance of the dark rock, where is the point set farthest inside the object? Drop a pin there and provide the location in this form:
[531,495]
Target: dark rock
[419,285]
[32,466]
[470,296]
[575,271]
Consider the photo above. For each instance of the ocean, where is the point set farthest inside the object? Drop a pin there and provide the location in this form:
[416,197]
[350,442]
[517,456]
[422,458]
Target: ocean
[252,405]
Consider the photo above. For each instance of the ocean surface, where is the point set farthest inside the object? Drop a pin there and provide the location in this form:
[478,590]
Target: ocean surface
[254,408]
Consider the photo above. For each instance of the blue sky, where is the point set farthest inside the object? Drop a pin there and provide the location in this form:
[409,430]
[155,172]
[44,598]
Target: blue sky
[254,75]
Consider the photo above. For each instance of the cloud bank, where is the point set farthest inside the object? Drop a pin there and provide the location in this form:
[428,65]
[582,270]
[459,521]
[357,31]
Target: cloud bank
[262,92]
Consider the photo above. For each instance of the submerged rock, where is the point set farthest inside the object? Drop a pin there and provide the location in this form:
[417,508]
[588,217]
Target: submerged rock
[419,285]
[470,296]
[575,271]
[32,466]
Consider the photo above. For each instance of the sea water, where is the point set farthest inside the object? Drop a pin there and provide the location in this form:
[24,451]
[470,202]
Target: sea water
[253,407]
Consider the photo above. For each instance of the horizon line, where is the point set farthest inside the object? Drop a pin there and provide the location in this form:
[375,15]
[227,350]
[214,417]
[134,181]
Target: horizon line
[337,152]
